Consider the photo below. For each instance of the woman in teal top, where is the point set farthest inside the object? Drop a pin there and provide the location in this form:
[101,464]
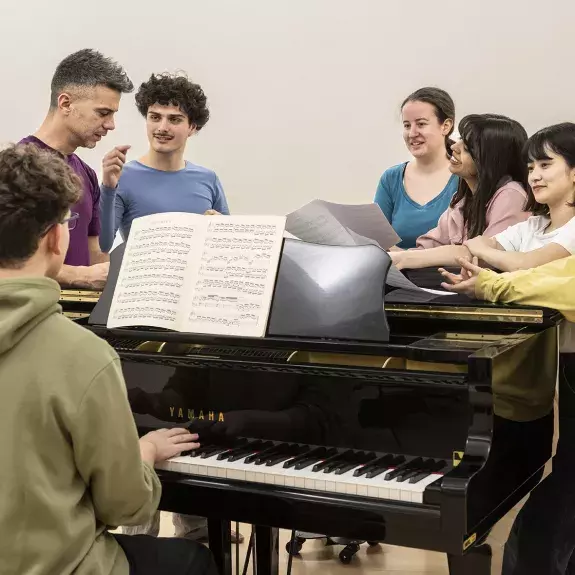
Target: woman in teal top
[414,194]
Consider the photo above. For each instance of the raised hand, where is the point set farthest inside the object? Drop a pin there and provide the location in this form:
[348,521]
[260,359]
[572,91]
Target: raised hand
[113,164]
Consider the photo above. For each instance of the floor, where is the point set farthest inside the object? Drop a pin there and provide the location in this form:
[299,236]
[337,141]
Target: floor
[318,559]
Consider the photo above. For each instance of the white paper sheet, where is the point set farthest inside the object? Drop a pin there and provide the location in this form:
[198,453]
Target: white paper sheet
[322,222]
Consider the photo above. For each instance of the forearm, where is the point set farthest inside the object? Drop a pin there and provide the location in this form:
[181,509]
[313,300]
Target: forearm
[506,261]
[73,276]
[551,285]
[433,257]
[97,257]
[107,218]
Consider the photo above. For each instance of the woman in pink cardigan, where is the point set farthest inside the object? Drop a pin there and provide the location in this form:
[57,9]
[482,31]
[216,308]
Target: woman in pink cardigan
[493,193]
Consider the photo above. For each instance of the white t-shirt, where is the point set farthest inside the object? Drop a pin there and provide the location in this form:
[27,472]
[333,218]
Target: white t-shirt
[530,235]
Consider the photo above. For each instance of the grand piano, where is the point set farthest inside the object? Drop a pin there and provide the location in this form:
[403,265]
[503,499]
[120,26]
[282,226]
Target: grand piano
[406,418]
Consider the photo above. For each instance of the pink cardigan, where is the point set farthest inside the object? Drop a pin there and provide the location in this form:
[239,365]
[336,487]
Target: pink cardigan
[505,209]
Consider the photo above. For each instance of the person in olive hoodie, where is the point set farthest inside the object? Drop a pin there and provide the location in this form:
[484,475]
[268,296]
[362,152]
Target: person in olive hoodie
[72,463]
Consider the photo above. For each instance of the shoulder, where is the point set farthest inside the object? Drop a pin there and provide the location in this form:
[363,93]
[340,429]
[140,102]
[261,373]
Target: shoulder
[453,183]
[510,189]
[133,169]
[535,223]
[199,171]
[394,173]
[392,178]
[80,165]
[77,349]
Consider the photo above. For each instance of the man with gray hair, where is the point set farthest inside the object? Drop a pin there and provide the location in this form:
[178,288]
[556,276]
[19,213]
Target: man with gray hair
[85,95]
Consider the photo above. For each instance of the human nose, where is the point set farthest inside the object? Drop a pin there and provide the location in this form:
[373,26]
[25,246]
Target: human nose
[109,124]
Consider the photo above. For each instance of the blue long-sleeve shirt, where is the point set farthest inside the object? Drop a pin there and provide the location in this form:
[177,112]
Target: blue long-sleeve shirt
[143,191]
[408,218]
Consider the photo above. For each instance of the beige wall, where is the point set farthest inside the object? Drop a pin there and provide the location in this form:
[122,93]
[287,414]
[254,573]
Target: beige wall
[304,94]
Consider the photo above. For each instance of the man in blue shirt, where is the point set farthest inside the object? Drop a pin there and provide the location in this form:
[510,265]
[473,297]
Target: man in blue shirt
[162,180]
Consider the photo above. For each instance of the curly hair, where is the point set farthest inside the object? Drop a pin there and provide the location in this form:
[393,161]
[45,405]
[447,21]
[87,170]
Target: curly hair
[88,68]
[37,188]
[174,90]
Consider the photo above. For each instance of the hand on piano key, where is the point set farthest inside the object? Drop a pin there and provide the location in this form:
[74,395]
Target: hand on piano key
[351,472]
[164,444]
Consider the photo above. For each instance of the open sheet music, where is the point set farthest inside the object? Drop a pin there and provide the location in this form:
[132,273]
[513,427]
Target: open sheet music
[200,274]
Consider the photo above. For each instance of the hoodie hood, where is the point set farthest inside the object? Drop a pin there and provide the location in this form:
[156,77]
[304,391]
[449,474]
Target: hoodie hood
[24,303]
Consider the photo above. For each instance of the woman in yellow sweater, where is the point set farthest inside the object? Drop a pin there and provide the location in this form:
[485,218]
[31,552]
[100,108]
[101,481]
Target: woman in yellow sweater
[542,541]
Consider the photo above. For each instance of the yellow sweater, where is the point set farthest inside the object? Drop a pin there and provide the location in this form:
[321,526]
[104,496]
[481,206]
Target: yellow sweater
[70,459]
[551,285]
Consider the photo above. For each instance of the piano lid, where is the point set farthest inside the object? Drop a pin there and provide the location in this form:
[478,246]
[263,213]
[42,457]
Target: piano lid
[457,307]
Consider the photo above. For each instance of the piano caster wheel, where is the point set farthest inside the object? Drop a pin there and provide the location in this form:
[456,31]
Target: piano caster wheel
[294,547]
[348,552]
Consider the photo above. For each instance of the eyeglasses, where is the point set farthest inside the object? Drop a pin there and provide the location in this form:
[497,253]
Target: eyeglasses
[71,220]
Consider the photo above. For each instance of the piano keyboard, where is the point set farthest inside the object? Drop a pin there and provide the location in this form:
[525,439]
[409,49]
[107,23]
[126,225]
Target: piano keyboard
[350,472]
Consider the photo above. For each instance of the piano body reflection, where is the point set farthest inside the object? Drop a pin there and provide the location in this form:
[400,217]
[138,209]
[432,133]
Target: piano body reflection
[425,439]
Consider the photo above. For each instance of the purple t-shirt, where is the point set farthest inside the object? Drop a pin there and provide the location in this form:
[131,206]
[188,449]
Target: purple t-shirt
[88,224]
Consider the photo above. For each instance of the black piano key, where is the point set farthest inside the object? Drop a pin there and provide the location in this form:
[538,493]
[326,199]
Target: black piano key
[241,451]
[336,462]
[315,460]
[260,458]
[241,443]
[214,450]
[286,452]
[396,461]
[435,467]
[361,457]
[414,463]
[384,460]
[407,475]
[322,464]
[202,449]
[306,453]
[253,448]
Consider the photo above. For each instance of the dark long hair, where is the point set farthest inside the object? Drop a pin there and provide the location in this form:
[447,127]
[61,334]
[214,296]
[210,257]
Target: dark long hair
[442,104]
[559,139]
[496,144]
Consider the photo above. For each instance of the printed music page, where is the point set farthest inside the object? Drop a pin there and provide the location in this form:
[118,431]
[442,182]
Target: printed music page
[233,285]
[199,274]
[151,282]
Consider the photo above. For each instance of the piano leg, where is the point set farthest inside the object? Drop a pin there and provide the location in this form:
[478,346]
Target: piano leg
[267,550]
[477,561]
[220,538]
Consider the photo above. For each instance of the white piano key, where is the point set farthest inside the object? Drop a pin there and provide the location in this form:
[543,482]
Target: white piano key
[345,484]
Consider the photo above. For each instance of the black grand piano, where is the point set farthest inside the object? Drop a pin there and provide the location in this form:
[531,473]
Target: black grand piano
[421,425]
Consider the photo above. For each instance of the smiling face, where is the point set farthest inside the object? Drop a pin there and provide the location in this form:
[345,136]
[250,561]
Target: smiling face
[423,133]
[552,180]
[168,128]
[461,163]
[89,113]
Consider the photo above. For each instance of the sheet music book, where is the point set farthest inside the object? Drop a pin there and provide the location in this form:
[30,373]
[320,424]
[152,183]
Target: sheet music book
[199,274]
